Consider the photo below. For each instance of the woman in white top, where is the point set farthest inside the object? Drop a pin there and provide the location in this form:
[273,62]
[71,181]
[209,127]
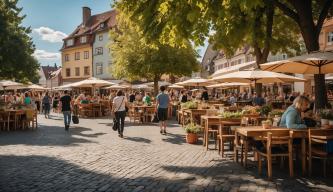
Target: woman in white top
[119,108]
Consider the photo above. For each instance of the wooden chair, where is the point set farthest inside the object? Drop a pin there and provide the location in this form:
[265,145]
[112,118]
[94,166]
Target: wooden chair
[149,114]
[31,119]
[213,129]
[135,115]
[224,136]
[85,110]
[274,146]
[318,143]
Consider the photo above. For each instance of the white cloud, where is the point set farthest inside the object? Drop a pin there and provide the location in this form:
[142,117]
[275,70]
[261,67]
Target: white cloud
[42,54]
[50,35]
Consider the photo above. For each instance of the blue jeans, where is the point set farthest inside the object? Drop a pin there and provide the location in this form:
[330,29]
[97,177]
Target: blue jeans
[67,117]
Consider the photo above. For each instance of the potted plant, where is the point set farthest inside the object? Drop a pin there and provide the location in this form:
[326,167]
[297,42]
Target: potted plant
[265,110]
[192,131]
[267,124]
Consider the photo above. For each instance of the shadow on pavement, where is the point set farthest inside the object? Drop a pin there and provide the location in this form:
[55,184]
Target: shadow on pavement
[138,139]
[174,139]
[48,135]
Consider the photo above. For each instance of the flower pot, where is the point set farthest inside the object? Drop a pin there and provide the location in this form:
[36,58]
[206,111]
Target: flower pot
[324,121]
[191,138]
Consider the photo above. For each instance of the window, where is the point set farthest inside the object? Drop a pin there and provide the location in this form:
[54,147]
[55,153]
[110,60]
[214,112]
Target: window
[100,37]
[68,72]
[101,25]
[66,57]
[99,51]
[69,42]
[330,38]
[84,39]
[77,55]
[99,68]
[77,71]
[86,55]
[86,71]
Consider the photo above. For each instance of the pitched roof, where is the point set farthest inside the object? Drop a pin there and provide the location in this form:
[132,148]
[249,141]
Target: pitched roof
[47,70]
[94,24]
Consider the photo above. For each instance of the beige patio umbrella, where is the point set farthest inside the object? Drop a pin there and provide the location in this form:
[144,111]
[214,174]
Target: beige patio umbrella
[141,86]
[317,63]
[329,78]
[313,63]
[117,86]
[34,87]
[160,83]
[174,86]
[257,76]
[8,84]
[222,85]
[196,82]
[92,82]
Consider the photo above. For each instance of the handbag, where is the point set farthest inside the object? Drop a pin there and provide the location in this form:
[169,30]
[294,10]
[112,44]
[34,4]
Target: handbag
[114,126]
[75,119]
[155,119]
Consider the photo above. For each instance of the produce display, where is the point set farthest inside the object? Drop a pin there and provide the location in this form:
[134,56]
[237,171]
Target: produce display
[250,110]
[189,105]
[231,115]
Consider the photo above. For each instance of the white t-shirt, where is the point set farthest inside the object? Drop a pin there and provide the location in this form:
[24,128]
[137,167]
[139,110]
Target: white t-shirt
[119,103]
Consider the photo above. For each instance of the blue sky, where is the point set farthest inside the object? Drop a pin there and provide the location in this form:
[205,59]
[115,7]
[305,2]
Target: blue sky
[52,20]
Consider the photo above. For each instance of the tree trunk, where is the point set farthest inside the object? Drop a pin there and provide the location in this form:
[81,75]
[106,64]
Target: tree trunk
[156,78]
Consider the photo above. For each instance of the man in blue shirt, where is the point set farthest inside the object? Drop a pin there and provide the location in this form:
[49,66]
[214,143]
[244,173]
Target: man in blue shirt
[162,104]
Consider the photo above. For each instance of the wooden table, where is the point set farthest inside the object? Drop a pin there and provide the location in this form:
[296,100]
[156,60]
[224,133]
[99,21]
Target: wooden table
[142,108]
[258,131]
[192,113]
[206,119]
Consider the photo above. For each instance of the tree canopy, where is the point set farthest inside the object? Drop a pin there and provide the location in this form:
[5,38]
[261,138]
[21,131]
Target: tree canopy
[16,46]
[135,58]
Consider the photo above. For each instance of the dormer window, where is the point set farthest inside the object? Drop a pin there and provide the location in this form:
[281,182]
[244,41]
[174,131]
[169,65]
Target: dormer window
[69,42]
[101,25]
[83,39]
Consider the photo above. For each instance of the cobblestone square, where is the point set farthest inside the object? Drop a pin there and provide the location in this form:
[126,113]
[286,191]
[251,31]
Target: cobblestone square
[91,157]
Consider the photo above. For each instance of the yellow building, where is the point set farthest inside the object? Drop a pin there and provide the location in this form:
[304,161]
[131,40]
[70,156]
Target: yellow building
[77,50]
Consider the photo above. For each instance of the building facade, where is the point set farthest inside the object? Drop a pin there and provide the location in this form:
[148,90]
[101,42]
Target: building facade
[50,76]
[84,52]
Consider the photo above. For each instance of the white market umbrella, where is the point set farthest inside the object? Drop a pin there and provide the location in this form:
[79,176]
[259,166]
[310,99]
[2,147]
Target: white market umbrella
[117,86]
[233,68]
[222,85]
[313,63]
[257,76]
[34,87]
[141,86]
[160,83]
[7,84]
[329,78]
[195,82]
[174,86]
[92,82]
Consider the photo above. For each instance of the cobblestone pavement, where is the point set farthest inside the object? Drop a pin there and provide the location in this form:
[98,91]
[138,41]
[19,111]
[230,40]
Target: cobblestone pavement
[91,157]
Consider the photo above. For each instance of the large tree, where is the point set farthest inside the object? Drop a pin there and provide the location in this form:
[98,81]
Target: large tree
[16,46]
[309,16]
[135,58]
[229,25]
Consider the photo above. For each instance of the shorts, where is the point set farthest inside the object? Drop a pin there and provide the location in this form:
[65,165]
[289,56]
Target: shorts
[162,114]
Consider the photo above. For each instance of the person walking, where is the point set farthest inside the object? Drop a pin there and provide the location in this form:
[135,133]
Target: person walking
[46,104]
[119,108]
[162,104]
[65,102]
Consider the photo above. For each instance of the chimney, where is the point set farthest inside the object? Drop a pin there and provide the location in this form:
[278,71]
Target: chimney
[86,13]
